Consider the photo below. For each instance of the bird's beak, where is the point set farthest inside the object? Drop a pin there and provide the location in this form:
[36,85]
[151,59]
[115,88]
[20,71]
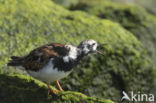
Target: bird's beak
[99,46]
[97,52]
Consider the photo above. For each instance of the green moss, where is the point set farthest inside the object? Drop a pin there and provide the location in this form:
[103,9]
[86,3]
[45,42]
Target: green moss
[24,89]
[133,18]
[27,24]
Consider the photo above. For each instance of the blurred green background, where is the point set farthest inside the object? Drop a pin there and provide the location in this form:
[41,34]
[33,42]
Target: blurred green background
[149,5]
[128,26]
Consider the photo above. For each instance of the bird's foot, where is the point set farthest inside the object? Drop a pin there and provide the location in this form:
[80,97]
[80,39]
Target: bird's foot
[52,91]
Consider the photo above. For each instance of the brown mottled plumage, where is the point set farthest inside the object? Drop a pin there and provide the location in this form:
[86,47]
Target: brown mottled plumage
[39,57]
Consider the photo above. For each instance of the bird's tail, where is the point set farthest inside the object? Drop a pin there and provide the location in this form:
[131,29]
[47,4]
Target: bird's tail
[15,61]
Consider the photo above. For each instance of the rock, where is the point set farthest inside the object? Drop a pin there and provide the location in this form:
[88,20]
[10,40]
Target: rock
[24,89]
[133,18]
[27,24]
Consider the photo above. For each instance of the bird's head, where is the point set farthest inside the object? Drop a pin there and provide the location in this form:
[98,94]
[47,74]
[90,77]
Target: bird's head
[89,46]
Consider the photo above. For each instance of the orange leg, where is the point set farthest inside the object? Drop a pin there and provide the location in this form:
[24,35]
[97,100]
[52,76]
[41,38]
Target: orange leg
[58,85]
[51,90]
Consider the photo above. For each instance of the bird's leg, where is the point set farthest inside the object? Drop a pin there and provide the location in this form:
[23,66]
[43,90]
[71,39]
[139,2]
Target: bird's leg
[51,90]
[58,85]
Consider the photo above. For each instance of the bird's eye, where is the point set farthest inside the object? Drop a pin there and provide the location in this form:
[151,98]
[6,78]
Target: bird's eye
[93,43]
[89,46]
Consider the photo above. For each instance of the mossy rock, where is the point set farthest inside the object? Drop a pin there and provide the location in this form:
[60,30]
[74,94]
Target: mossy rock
[133,18]
[27,24]
[24,89]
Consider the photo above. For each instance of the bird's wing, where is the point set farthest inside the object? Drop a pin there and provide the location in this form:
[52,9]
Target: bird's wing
[39,57]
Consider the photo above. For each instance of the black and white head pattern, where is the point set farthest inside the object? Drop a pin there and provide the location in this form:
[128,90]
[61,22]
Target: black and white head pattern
[88,46]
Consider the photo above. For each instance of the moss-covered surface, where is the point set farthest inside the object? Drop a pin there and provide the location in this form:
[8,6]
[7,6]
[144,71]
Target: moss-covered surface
[27,24]
[133,18]
[24,89]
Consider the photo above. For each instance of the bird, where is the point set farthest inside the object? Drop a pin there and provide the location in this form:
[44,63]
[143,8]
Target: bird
[54,61]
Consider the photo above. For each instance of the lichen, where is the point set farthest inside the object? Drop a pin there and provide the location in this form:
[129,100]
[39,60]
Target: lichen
[133,18]
[24,89]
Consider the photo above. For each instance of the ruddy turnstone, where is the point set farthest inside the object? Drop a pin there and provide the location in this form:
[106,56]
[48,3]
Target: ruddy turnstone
[52,62]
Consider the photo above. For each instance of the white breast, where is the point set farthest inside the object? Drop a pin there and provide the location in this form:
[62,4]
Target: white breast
[49,73]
